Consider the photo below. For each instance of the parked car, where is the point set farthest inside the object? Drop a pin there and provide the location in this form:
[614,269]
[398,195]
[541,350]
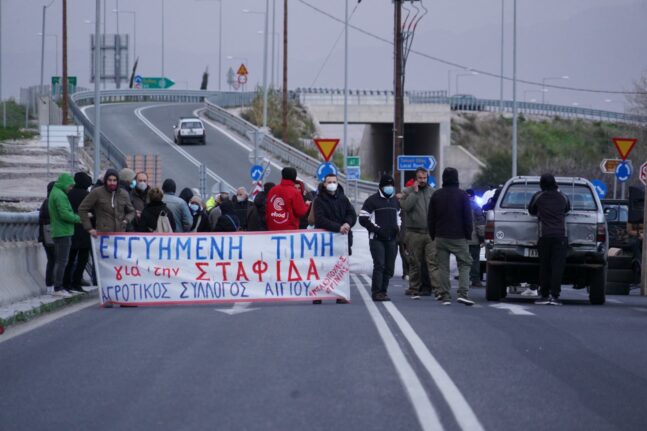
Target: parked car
[512,234]
[189,130]
[623,269]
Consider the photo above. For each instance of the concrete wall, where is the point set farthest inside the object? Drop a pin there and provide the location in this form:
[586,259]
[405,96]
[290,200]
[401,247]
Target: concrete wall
[22,265]
[468,166]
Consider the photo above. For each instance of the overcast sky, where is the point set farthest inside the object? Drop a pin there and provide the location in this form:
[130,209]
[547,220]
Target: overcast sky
[598,44]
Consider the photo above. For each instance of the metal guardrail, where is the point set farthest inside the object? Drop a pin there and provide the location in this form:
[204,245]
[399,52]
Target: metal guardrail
[463,103]
[15,227]
[279,149]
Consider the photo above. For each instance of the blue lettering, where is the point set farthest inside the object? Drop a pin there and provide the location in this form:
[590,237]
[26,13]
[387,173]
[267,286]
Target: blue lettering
[184,289]
[238,247]
[217,248]
[148,241]
[183,243]
[116,241]
[243,284]
[131,239]
[165,248]
[278,240]
[165,292]
[199,250]
[328,243]
[103,246]
[291,247]
[268,289]
[310,244]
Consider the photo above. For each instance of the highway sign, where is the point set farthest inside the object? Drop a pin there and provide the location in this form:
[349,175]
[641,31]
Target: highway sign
[57,87]
[242,79]
[325,169]
[643,173]
[352,161]
[353,173]
[608,166]
[242,70]
[138,81]
[600,188]
[623,171]
[157,82]
[256,172]
[326,147]
[411,163]
[624,146]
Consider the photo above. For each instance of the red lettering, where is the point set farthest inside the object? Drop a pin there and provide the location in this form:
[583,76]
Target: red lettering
[241,274]
[312,270]
[259,267]
[224,266]
[203,273]
[293,272]
[278,270]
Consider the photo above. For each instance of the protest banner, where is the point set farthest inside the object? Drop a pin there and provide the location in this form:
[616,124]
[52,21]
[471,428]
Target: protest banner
[208,268]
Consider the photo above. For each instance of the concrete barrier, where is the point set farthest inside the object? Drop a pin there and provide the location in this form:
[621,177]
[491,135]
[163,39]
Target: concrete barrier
[22,268]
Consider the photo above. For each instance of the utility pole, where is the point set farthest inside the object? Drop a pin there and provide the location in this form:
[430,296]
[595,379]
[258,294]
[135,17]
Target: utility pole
[64,77]
[285,71]
[398,75]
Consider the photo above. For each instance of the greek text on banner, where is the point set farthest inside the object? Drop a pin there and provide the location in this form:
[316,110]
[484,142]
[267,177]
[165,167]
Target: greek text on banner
[165,269]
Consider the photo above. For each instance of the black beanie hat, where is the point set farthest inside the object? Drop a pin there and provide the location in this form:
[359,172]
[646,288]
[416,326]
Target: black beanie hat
[186,194]
[82,180]
[168,186]
[110,173]
[386,180]
[547,182]
[289,174]
[450,177]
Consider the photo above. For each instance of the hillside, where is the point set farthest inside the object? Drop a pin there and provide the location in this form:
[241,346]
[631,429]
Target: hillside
[569,147]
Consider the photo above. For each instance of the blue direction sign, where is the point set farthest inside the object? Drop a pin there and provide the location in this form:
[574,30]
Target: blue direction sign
[411,163]
[353,173]
[256,172]
[600,188]
[431,180]
[623,171]
[324,169]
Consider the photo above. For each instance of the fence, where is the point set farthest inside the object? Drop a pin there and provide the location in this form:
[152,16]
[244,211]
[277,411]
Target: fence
[16,227]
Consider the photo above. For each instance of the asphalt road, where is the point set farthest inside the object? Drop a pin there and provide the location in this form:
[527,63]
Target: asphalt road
[404,365]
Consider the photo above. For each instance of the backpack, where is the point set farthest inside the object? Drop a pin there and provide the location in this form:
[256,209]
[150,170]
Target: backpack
[163,223]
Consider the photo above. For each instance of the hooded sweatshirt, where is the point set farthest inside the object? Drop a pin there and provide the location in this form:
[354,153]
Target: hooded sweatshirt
[450,212]
[112,210]
[61,215]
[550,206]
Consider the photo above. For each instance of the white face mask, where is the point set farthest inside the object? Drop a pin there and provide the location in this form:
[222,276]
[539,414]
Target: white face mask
[142,185]
[331,187]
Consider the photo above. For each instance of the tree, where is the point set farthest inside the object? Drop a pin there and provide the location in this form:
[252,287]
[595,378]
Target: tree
[639,100]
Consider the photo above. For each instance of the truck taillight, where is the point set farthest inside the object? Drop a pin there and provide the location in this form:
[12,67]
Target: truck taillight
[601,234]
[489,230]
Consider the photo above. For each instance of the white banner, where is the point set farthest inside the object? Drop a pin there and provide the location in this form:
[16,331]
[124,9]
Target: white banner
[208,268]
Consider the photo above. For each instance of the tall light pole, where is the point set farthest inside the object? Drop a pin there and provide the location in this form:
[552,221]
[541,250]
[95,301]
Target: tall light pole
[219,43]
[134,14]
[514,89]
[284,103]
[543,85]
[55,36]
[42,48]
[97,97]
[163,39]
[345,134]
[501,78]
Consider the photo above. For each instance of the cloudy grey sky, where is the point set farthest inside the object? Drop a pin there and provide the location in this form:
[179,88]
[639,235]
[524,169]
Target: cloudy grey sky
[599,44]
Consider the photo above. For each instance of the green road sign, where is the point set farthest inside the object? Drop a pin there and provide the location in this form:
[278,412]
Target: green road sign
[57,88]
[352,161]
[157,82]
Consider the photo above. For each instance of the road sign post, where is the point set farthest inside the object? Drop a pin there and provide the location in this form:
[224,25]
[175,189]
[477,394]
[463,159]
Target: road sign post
[324,169]
[624,146]
[411,163]
[326,147]
[156,82]
[643,173]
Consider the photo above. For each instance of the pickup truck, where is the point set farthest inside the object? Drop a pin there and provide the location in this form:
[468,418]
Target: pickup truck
[512,234]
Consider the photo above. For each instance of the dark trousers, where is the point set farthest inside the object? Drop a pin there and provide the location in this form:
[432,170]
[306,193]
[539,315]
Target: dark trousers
[77,261]
[475,270]
[552,261]
[383,254]
[49,269]
[62,251]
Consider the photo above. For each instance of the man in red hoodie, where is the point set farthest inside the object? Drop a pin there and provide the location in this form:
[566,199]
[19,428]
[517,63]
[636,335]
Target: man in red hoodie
[285,206]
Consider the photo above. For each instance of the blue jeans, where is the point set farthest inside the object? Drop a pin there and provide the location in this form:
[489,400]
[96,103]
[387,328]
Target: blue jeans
[62,247]
[383,254]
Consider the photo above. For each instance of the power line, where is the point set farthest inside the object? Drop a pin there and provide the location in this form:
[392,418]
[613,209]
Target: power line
[462,66]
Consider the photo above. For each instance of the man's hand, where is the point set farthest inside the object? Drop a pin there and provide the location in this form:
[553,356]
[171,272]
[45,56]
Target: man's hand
[416,188]
[344,229]
[93,232]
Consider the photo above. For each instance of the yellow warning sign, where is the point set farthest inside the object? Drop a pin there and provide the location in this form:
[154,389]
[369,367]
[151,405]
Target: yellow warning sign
[326,147]
[242,70]
[624,146]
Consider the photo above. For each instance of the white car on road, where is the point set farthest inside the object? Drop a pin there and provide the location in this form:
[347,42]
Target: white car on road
[189,130]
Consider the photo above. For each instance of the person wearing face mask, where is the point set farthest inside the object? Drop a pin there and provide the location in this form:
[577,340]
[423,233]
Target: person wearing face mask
[242,204]
[380,215]
[334,213]
[200,218]
[414,202]
[110,206]
[139,195]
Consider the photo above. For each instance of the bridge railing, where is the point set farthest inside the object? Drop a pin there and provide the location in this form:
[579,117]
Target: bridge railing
[18,227]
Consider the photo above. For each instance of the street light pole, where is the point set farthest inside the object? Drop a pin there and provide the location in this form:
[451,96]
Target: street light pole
[220,45]
[163,39]
[134,14]
[501,78]
[514,89]
[55,36]
[265,47]
[345,137]
[97,97]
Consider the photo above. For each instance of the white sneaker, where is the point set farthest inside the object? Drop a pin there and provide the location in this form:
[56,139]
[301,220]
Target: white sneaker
[529,292]
[62,294]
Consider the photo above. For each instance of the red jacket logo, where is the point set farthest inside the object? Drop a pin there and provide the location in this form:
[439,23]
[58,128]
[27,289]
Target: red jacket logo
[280,215]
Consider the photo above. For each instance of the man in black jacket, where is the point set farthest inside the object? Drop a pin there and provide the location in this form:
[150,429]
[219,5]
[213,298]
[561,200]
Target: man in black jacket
[334,213]
[380,215]
[550,206]
[80,250]
[450,225]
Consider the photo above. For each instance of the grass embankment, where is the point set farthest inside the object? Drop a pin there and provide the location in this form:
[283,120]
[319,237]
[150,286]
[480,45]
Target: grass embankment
[569,147]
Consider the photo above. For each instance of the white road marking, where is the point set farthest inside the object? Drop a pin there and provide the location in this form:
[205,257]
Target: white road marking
[168,141]
[45,319]
[425,411]
[238,308]
[514,309]
[463,413]
[644,310]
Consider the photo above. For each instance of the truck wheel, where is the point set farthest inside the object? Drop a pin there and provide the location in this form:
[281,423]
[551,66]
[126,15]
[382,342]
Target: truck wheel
[495,283]
[597,284]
